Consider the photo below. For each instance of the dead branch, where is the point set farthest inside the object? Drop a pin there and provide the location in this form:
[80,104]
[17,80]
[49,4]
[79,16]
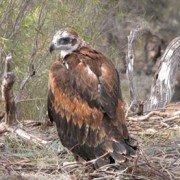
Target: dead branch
[23,135]
[7,92]
[164,83]
[134,34]
[170,116]
[10,124]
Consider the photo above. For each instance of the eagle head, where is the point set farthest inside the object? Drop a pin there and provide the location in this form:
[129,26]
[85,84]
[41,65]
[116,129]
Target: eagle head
[67,41]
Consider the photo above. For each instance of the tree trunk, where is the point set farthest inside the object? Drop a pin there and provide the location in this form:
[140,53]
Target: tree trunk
[165,78]
[7,92]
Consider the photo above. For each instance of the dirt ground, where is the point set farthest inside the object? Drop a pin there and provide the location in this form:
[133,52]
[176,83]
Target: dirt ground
[159,154]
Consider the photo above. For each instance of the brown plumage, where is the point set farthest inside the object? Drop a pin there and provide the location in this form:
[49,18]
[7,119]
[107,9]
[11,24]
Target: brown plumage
[85,102]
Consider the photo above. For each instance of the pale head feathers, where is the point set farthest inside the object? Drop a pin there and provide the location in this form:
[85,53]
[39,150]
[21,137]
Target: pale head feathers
[67,41]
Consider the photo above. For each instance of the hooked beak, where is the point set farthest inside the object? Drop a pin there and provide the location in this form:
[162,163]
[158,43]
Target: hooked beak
[52,48]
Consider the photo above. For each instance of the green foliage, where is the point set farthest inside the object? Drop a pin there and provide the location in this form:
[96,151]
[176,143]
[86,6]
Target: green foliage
[27,32]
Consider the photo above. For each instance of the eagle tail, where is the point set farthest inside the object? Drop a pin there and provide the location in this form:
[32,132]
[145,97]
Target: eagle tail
[123,151]
[120,151]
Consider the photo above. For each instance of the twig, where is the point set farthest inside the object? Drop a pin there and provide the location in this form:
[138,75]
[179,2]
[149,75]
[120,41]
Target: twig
[172,118]
[31,69]
[74,164]
[93,161]
[153,168]
[32,99]
[136,161]
[129,108]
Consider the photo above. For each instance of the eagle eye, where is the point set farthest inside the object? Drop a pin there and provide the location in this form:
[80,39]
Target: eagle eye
[64,41]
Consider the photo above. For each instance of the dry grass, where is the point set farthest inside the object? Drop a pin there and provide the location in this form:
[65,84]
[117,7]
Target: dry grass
[158,156]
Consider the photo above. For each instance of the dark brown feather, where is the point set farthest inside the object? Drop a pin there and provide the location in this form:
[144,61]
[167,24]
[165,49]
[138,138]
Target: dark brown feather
[85,103]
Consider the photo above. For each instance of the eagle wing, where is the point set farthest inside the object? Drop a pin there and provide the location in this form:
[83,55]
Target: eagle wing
[97,81]
[85,103]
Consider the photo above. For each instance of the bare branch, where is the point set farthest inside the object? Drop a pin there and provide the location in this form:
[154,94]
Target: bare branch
[169,116]
[134,34]
[23,135]
[20,16]
[35,48]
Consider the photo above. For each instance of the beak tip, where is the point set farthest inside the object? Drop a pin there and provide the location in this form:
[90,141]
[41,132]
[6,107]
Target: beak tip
[51,49]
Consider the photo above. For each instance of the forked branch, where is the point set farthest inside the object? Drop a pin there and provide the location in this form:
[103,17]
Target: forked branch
[10,124]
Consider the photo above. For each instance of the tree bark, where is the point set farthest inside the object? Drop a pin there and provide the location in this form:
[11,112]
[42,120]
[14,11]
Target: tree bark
[164,83]
[7,92]
[135,105]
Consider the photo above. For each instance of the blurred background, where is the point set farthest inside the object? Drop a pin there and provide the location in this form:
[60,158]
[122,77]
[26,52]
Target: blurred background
[27,27]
